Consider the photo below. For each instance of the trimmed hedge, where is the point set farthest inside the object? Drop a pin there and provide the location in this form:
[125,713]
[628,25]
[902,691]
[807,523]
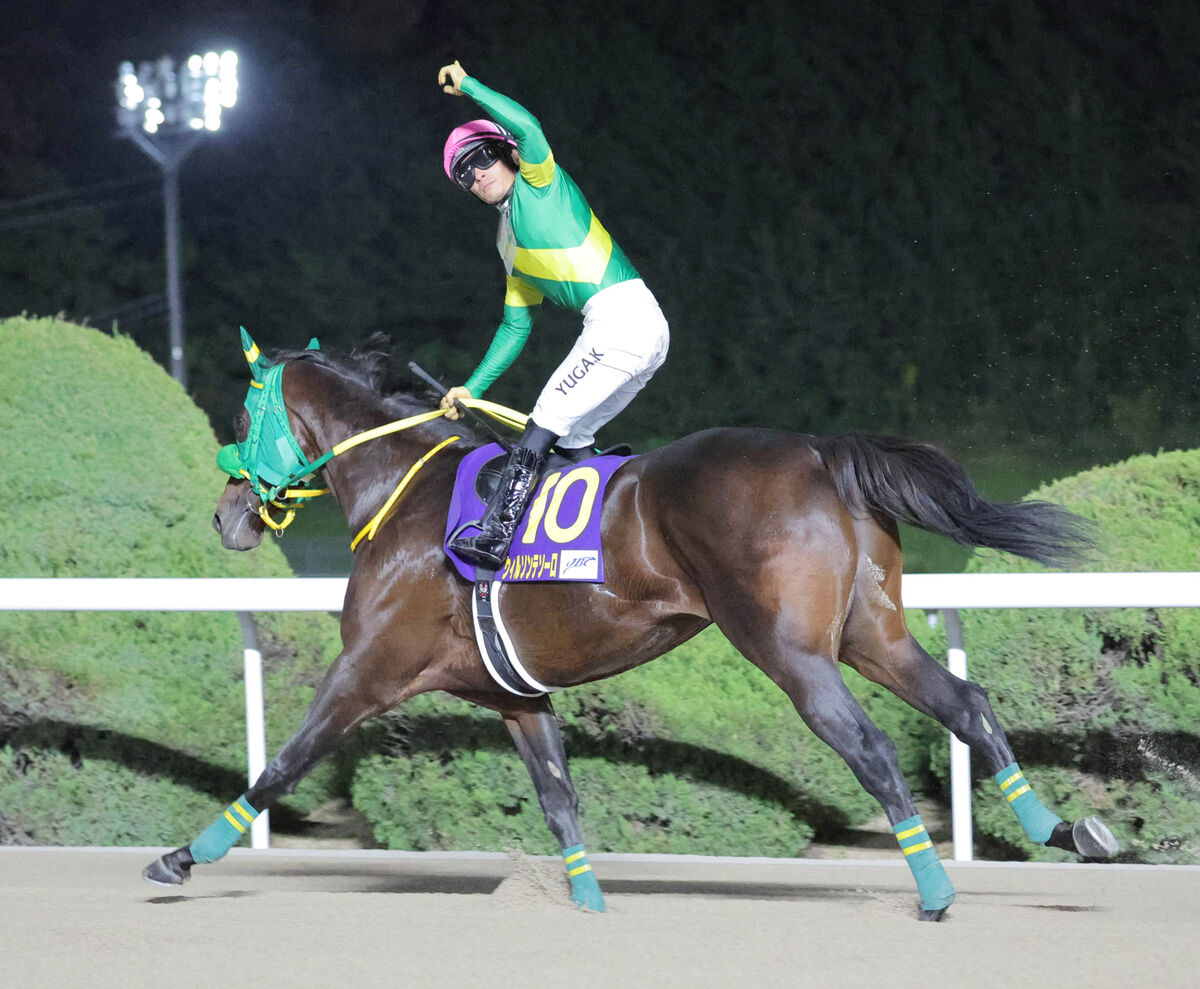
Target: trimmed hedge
[697,752]
[1102,705]
[125,727]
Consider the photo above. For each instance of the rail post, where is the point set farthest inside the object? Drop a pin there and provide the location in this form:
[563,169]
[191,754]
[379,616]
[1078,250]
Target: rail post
[256,732]
[960,753]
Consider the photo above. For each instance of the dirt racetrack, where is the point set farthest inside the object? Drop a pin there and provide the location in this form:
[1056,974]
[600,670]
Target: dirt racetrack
[84,917]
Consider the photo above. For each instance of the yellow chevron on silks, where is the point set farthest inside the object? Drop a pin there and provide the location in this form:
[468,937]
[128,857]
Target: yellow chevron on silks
[584,263]
[251,354]
[519,293]
[539,174]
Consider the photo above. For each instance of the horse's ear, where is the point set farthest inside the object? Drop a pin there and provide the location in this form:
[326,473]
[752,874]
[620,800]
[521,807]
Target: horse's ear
[313,344]
[258,363]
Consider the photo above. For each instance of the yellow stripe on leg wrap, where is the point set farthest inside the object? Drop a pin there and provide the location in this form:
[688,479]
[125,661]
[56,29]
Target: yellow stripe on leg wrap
[235,822]
[574,858]
[572,873]
[1018,791]
[913,839]
[1011,780]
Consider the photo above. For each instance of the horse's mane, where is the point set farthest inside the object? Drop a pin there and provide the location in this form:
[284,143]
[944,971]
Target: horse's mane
[373,365]
[369,365]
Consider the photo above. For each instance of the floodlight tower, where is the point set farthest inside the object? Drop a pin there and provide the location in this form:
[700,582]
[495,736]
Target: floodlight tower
[165,111]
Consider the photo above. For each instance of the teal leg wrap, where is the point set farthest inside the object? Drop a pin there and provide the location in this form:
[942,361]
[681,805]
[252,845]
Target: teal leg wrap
[1035,818]
[224,832]
[585,890]
[933,884]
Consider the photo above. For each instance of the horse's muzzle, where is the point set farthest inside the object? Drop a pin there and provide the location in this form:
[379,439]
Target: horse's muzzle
[237,520]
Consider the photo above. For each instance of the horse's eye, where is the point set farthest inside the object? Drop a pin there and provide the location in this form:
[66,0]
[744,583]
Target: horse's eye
[241,426]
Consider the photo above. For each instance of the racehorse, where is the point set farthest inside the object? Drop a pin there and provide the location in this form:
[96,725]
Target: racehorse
[788,543]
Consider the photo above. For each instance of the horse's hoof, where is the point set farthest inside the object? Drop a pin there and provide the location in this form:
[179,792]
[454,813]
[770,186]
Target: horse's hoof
[1088,837]
[933,915]
[1093,840]
[173,869]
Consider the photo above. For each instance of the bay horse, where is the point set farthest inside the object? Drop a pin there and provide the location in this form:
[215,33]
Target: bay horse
[788,543]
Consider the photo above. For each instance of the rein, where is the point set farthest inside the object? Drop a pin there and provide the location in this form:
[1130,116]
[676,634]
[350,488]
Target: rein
[500,413]
[284,497]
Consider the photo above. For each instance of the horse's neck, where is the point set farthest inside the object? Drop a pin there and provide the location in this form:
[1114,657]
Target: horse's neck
[363,477]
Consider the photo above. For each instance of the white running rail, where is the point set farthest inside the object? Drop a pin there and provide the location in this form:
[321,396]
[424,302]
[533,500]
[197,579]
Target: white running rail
[934,593]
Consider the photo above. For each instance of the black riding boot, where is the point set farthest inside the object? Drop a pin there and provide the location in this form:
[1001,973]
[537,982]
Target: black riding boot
[522,471]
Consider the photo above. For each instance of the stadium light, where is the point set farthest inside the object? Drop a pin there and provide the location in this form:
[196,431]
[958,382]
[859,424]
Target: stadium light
[165,110]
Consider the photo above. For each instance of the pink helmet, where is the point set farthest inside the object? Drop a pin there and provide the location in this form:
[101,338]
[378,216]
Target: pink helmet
[468,137]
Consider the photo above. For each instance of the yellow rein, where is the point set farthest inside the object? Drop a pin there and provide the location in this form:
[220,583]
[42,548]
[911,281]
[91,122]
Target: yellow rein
[372,527]
[508,417]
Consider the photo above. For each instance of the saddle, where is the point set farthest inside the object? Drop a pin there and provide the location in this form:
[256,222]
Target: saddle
[488,478]
[573,554]
[559,537]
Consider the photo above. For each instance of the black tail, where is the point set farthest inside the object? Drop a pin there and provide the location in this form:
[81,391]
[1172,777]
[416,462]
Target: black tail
[917,484]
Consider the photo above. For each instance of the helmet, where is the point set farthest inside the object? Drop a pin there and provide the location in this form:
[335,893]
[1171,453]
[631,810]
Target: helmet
[470,136]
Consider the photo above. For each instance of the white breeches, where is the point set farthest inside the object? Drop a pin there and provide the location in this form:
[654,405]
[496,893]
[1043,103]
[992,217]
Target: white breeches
[624,341]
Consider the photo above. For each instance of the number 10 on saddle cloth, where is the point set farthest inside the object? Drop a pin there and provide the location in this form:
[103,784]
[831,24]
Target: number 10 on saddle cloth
[559,538]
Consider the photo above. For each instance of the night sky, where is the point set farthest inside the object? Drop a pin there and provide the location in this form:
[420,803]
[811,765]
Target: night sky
[906,217]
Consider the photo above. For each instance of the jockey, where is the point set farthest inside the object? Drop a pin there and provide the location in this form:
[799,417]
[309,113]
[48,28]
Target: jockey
[553,246]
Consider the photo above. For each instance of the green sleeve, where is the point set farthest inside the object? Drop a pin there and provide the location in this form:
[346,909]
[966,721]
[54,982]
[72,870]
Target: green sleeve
[531,142]
[508,342]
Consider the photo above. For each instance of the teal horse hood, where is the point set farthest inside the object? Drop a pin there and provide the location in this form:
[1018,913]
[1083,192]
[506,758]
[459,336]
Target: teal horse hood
[269,456]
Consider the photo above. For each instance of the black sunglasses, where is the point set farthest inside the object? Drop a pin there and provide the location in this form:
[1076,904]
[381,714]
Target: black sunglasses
[483,158]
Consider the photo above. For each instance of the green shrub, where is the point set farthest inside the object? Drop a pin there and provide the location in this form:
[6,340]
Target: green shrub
[125,727]
[697,752]
[485,799]
[1101,705]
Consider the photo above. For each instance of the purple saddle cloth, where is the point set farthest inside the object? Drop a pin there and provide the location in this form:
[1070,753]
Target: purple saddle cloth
[559,537]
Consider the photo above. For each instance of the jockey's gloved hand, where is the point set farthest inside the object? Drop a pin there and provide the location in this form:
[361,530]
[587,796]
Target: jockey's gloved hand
[456,394]
[450,78]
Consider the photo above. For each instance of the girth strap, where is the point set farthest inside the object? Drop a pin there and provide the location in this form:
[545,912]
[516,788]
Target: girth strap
[495,646]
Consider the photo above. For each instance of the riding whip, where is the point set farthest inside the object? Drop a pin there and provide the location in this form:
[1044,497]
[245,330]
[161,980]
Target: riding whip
[471,414]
